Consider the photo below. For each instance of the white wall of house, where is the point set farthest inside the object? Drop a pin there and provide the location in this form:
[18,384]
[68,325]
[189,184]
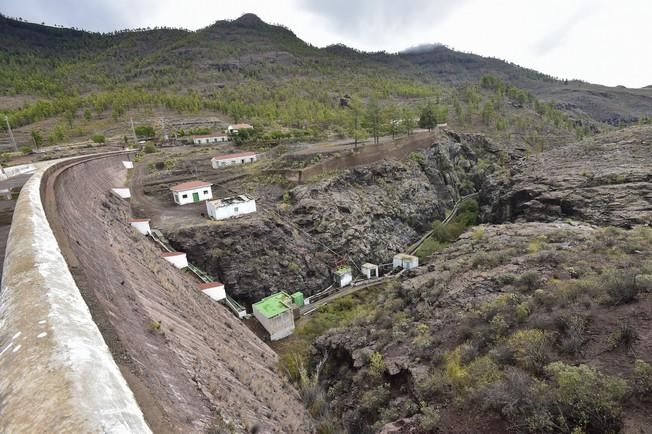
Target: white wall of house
[278,327]
[188,196]
[207,140]
[122,192]
[179,260]
[219,211]
[217,163]
[216,292]
[141,226]
[128,164]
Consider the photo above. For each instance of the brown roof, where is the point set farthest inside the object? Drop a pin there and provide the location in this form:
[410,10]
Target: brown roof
[168,254]
[138,220]
[240,126]
[210,285]
[236,155]
[190,185]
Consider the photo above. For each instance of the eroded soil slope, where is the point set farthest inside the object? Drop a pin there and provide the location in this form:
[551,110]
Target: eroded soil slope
[191,364]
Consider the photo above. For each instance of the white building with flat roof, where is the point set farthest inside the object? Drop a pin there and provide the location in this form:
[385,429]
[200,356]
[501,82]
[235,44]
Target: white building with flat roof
[343,276]
[229,207]
[233,159]
[190,192]
[141,225]
[206,139]
[370,270]
[214,290]
[178,259]
[405,261]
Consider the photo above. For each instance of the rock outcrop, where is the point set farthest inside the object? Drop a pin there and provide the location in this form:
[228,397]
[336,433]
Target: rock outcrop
[605,180]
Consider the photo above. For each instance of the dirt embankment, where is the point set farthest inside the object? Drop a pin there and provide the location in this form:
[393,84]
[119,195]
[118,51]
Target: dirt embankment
[190,363]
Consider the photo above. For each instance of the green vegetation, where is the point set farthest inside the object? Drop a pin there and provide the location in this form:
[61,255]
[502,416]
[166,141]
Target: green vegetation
[98,138]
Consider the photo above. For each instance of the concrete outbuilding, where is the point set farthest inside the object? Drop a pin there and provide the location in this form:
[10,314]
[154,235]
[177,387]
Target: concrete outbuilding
[214,290]
[405,261]
[178,259]
[275,314]
[343,276]
[191,192]
[121,192]
[233,159]
[230,207]
[141,225]
[236,128]
[370,270]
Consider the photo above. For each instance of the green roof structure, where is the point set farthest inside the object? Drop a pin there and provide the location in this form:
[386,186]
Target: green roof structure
[274,305]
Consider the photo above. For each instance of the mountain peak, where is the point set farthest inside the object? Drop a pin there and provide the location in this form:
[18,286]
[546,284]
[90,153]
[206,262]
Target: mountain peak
[250,20]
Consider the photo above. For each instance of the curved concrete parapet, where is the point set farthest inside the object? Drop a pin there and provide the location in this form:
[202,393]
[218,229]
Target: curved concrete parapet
[56,371]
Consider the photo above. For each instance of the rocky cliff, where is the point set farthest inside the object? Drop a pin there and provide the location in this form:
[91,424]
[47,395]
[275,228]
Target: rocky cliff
[605,180]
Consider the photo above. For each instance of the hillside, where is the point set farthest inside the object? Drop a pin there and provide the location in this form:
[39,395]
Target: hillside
[247,69]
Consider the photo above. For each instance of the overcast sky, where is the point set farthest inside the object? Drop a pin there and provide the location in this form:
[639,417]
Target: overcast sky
[600,41]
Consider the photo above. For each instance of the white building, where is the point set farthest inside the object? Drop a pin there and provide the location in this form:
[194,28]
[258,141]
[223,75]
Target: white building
[229,207]
[178,259]
[122,192]
[190,192]
[343,276]
[275,314]
[209,138]
[370,270]
[233,159]
[128,164]
[141,225]
[214,290]
[405,261]
[235,129]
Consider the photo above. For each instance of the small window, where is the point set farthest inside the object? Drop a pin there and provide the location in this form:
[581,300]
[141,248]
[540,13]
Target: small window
[205,191]
[235,209]
[185,196]
[243,161]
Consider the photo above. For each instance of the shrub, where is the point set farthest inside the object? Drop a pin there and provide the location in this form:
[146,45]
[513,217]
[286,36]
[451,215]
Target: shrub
[149,148]
[529,281]
[585,398]
[440,232]
[531,348]
[625,337]
[642,379]
[25,150]
[429,418]
[98,138]
[376,364]
[478,234]
[505,279]
[573,329]
[620,287]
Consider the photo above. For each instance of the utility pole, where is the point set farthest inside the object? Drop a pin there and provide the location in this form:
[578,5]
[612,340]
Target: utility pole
[133,131]
[11,134]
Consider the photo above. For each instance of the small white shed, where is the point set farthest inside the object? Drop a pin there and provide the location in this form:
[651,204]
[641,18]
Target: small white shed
[236,128]
[122,192]
[128,164]
[229,207]
[141,225]
[405,261]
[370,270]
[178,259]
[191,192]
[214,290]
[233,159]
[343,276]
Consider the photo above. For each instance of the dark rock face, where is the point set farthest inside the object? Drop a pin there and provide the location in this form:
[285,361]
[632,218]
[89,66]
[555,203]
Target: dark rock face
[365,214]
[606,180]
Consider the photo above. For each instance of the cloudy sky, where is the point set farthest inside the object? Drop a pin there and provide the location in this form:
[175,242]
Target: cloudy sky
[600,41]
